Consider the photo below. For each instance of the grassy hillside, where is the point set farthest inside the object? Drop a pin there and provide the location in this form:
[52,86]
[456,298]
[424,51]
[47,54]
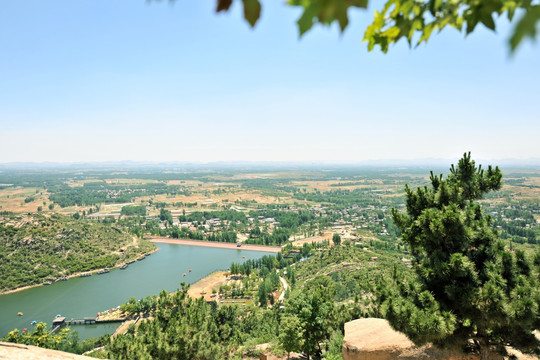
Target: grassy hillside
[37,248]
[349,273]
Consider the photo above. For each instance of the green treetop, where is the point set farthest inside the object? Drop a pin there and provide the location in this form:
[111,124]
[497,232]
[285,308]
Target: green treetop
[336,239]
[313,312]
[291,336]
[469,286]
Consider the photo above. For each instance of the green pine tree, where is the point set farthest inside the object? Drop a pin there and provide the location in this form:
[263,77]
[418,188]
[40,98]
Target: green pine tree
[469,286]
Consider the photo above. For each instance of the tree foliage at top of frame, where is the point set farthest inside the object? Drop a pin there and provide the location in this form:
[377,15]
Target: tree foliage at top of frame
[412,20]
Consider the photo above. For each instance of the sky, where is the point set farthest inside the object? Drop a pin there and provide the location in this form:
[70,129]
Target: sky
[114,80]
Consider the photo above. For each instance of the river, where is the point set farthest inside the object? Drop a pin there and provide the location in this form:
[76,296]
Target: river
[80,297]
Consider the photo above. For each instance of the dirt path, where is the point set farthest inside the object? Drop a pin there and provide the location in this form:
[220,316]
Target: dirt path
[221,245]
[285,287]
[315,239]
[122,328]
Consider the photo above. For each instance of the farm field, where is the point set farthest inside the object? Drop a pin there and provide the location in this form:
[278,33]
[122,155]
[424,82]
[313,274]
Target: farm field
[247,206]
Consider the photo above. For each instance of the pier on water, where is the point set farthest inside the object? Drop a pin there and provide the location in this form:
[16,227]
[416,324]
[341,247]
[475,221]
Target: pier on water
[61,321]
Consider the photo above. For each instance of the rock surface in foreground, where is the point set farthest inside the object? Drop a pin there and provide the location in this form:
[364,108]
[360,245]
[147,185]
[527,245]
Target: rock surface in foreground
[29,352]
[374,339]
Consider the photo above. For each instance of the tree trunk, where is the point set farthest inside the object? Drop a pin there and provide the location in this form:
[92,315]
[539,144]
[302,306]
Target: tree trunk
[485,352]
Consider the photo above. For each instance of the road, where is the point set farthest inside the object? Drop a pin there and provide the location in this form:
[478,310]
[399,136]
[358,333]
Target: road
[215,244]
[285,288]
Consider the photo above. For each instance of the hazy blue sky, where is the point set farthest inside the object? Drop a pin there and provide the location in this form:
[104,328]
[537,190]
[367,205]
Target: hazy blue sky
[98,80]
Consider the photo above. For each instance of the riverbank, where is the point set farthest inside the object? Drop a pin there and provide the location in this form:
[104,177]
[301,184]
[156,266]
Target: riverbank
[221,245]
[88,296]
[75,275]
[203,288]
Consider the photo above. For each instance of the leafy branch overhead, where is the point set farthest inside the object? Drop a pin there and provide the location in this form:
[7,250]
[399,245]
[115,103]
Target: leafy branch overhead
[412,20]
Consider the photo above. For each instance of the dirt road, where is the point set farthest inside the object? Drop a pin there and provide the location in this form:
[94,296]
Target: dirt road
[221,245]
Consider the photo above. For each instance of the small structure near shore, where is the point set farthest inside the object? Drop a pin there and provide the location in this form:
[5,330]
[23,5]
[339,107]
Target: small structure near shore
[59,320]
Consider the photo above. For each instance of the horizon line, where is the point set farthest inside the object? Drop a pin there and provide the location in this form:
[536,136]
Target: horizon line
[531,161]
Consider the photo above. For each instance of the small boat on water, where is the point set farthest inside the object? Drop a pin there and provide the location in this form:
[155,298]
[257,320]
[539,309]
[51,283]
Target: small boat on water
[34,322]
[19,314]
[47,283]
[123,267]
[104,271]
[184,274]
[189,270]
[85,274]
[141,258]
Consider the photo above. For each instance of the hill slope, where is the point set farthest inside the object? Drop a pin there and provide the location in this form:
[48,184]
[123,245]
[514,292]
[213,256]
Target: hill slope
[38,247]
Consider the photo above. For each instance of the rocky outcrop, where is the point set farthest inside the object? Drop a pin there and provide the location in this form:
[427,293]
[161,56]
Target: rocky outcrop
[10,351]
[374,339]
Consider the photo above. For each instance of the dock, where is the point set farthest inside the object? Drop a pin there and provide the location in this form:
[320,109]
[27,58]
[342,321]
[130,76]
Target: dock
[60,321]
[84,321]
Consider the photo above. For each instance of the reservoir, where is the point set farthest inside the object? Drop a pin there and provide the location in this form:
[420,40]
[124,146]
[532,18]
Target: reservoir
[81,297]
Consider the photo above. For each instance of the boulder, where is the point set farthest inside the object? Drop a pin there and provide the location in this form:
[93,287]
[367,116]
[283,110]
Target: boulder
[29,352]
[374,339]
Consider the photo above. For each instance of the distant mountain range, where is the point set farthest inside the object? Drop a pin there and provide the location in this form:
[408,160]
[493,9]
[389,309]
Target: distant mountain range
[532,163]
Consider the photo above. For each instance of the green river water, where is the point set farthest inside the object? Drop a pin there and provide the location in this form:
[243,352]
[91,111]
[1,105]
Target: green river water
[80,297]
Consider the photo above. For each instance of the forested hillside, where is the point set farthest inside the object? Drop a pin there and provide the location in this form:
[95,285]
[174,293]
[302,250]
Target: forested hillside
[335,285]
[38,248]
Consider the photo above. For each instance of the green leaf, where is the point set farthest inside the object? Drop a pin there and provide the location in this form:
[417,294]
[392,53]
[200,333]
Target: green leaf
[487,20]
[526,27]
[378,20]
[471,24]
[428,29]
[391,33]
[305,22]
[434,6]
[340,13]
[359,3]
[458,24]
[416,25]
[325,12]
[223,5]
[510,7]
[252,11]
